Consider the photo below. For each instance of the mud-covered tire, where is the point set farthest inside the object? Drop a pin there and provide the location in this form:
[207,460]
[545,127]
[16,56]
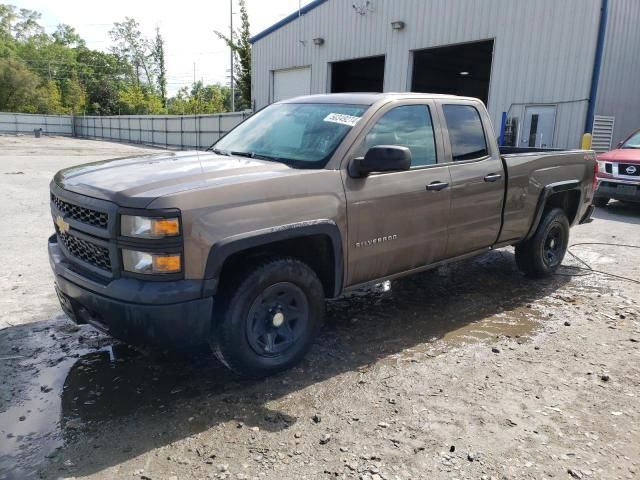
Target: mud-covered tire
[269,319]
[542,254]
[601,201]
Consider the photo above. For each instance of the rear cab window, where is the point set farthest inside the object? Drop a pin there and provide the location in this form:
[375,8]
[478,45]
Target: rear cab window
[466,133]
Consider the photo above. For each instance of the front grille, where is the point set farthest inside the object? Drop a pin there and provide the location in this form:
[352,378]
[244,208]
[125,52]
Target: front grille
[81,214]
[86,251]
[629,169]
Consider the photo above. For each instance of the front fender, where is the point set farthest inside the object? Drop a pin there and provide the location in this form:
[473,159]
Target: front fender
[227,247]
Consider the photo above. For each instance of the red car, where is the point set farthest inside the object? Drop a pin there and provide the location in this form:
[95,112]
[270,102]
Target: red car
[619,172]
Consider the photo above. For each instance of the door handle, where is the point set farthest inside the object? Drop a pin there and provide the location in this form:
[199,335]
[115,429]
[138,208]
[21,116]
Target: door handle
[492,177]
[437,186]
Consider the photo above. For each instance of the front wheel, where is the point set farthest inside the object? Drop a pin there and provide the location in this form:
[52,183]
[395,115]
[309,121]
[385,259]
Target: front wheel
[542,254]
[270,319]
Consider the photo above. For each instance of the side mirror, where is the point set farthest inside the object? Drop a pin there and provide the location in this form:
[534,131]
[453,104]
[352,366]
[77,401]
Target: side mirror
[381,158]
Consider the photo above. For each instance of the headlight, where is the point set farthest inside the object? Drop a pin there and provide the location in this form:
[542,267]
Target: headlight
[151,263]
[146,227]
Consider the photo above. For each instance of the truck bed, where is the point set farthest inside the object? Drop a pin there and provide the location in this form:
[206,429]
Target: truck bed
[529,172]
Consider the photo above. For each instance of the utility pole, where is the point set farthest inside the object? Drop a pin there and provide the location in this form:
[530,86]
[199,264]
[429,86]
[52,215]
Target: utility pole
[233,88]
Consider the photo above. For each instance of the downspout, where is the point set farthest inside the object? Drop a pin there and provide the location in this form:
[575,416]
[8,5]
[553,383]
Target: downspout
[597,64]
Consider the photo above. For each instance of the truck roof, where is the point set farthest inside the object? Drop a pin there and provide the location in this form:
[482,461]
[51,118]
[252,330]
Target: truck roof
[366,98]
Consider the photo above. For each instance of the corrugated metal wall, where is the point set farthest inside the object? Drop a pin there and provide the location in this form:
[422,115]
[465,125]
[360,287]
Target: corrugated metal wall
[619,86]
[168,131]
[27,123]
[544,49]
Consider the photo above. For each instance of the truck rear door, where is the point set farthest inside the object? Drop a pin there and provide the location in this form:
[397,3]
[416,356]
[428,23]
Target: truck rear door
[397,221]
[477,177]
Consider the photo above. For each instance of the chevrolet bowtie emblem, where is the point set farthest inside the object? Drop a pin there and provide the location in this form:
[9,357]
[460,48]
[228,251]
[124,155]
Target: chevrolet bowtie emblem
[62,225]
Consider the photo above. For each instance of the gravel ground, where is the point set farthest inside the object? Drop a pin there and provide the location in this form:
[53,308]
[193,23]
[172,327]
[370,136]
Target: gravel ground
[468,372]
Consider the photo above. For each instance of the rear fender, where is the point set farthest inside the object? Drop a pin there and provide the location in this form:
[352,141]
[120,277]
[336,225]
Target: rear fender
[547,192]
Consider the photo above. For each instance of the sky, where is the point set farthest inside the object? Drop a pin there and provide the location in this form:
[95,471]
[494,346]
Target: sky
[187,26]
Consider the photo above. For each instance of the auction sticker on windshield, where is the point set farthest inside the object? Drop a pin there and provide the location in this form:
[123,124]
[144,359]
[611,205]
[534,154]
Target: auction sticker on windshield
[342,119]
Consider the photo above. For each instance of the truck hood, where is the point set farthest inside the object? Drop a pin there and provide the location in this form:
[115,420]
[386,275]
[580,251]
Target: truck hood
[629,155]
[137,181]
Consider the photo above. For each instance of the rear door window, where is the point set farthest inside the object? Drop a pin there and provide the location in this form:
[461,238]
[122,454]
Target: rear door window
[466,134]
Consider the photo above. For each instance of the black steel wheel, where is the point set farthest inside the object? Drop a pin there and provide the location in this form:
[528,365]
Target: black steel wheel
[277,319]
[542,254]
[267,319]
[552,251]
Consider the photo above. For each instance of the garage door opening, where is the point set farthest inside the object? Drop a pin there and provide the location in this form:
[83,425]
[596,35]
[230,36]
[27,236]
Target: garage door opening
[361,75]
[462,69]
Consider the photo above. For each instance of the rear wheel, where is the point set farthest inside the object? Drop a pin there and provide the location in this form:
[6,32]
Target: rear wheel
[270,319]
[543,253]
[601,201]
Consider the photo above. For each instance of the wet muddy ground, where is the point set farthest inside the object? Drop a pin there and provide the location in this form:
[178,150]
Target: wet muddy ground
[470,371]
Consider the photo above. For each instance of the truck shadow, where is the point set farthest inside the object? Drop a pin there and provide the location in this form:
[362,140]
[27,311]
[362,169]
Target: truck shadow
[619,211]
[118,402]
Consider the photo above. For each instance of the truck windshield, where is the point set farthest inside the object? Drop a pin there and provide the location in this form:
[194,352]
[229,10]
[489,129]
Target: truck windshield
[633,141]
[301,135]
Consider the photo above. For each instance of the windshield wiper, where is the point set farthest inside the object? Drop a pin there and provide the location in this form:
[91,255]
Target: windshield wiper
[220,152]
[256,155]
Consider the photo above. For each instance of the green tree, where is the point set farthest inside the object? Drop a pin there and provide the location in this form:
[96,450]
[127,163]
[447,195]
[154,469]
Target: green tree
[239,44]
[67,36]
[103,75]
[26,24]
[73,94]
[17,87]
[157,53]
[49,98]
[131,45]
[137,100]
[200,99]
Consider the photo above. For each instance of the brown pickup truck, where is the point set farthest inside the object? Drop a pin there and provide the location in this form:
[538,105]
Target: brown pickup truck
[308,198]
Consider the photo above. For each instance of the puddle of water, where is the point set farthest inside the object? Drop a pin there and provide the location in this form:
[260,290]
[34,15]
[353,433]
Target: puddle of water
[29,430]
[30,426]
[514,324]
[69,395]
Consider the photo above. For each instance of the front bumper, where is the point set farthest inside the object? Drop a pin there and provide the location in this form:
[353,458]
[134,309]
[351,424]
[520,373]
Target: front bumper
[626,191]
[166,314]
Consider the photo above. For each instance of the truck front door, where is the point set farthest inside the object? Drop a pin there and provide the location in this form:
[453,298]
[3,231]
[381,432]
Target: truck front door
[477,178]
[397,221]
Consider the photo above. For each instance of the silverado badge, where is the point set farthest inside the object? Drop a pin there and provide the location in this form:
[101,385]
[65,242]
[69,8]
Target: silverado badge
[375,241]
[62,225]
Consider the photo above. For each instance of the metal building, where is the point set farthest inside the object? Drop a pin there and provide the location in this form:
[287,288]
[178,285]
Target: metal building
[558,68]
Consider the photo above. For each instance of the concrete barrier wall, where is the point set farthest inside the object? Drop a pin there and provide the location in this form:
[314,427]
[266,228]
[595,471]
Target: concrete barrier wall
[169,131]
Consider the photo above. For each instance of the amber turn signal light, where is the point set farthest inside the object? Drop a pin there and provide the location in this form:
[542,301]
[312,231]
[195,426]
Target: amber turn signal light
[166,263]
[165,227]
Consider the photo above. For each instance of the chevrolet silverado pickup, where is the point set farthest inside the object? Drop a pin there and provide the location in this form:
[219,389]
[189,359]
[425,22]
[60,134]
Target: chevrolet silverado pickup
[619,173]
[239,246]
